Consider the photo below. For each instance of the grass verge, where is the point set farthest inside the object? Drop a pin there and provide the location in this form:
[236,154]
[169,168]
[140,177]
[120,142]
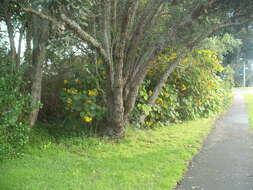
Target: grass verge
[145,160]
[249,101]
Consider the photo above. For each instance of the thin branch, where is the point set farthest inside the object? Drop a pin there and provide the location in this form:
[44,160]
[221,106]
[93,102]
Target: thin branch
[213,30]
[74,27]
[84,35]
[41,15]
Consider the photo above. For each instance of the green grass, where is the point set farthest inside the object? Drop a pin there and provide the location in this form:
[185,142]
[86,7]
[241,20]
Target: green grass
[145,160]
[249,101]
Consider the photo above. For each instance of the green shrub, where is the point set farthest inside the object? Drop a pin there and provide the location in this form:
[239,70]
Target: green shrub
[14,105]
[83,93]
[200,87]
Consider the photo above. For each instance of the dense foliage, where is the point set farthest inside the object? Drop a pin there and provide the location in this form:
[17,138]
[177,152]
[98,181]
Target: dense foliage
[105,64]
[199,88]
[14,106]
[84,93]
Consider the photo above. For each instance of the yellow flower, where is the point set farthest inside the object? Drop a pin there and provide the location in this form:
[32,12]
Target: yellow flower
[69,101]
[77,81]
[183,88]
[150,93]
[65,81]
[93,92]
[149,123]
[65,89]
[159,100]
[199,102]
[74,92]
[88,102]
[87,119]
[185,60]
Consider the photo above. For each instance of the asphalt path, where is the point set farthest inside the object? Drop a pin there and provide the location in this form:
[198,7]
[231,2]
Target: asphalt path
[226,159]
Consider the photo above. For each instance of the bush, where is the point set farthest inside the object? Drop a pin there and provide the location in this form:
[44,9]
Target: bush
[83,95]
[200,87]
[14,106]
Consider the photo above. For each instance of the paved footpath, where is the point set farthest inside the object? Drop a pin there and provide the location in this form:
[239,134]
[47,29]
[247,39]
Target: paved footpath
[226,160]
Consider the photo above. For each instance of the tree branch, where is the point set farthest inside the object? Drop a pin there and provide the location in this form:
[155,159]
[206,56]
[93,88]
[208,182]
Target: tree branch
[213,30]
[40,14]
[84,35]
[72,26]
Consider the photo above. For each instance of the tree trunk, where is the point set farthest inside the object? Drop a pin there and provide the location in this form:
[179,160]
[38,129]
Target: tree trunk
[116,122]
[28,51]
[40,38]
[160,84]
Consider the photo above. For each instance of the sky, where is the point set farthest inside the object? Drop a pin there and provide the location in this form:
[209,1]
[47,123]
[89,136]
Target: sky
[3,31]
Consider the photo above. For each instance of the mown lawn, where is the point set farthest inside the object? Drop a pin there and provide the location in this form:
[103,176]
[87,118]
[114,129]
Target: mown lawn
[144,160]
[249,101]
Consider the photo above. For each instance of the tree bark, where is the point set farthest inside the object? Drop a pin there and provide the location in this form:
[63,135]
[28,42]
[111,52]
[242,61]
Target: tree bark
[40,38]
[160,84]
[116,122]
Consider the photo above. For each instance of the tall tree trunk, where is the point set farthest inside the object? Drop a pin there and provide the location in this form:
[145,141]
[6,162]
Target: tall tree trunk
[116,122]
[40,38]
[115,105]
[28,51]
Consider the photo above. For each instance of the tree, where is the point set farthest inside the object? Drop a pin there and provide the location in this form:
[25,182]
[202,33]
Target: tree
[131,33]
[40,35]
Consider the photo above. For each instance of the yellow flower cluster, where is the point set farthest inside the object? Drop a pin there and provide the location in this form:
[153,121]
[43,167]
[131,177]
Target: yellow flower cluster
[211,54]
[77,81]
[185,60]
[211,85]
[167,58]
[87,119]
[199,102]
[65,81]
[183,87]
[206,52]
[69,101]
[159,100]
[149,123]
[93,92]
[88,102]
[69,91]
[218,67]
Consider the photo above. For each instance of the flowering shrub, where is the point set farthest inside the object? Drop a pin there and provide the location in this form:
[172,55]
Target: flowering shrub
[202,91]
[194,90]
[82,94]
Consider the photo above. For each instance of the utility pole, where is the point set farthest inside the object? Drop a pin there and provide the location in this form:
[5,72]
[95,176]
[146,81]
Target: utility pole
[244,74]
